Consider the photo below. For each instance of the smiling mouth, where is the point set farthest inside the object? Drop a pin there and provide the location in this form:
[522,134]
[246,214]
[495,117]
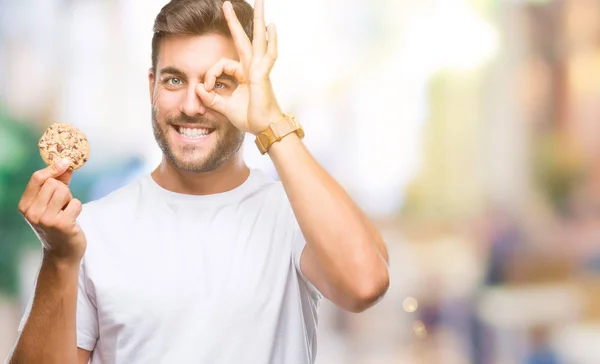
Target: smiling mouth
[193,132]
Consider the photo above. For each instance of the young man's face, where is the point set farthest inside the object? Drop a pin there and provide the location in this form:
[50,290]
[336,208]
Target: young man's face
[191,136]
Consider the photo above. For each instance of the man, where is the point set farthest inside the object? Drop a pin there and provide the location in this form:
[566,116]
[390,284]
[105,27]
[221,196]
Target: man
[203,260]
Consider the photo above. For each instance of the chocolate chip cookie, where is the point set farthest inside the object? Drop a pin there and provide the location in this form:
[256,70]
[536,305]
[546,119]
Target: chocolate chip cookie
[63,140]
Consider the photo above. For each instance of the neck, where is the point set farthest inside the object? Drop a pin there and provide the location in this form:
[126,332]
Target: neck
[225,178]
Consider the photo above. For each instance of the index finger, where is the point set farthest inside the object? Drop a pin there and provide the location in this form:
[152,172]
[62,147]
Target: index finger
[39,178]
[240,38]
[259,39]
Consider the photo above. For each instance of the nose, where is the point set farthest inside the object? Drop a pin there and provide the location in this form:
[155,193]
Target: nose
[191,104]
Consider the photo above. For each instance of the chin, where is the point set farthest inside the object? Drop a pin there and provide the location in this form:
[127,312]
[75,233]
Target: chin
[199,162]
[190,164]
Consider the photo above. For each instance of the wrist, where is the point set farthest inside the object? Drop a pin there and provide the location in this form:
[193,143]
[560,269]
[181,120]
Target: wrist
[62,261]
[289,153]
[290,141]
[286,127]
[266,124]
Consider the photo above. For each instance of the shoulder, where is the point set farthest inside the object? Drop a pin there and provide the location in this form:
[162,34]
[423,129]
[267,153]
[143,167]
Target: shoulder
[113,204]
[267,188]
[273,197]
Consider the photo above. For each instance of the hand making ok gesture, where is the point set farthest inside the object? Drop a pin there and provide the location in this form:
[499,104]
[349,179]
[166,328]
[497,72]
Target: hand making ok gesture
[252,107]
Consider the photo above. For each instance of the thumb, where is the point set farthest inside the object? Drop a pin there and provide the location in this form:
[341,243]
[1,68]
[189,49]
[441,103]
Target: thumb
[61,170]
[211,99]
[66,177]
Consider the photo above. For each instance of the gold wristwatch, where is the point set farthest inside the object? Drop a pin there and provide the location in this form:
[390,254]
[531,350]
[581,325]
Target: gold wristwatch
[276,131]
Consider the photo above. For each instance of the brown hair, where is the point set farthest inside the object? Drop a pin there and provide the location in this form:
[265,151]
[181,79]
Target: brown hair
[197,17]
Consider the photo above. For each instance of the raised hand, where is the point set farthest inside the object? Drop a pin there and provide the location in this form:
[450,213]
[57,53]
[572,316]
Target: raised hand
[252,107]
[51,210]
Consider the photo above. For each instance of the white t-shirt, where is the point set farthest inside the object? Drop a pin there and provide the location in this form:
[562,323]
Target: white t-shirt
[174,278]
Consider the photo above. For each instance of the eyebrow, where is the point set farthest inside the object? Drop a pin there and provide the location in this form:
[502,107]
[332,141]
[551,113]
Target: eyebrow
[173,71]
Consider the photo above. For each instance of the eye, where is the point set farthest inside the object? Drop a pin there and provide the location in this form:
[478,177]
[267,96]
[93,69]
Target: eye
[173,81]
[219,85]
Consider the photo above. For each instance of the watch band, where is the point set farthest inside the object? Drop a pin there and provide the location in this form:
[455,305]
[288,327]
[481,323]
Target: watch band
[276,131]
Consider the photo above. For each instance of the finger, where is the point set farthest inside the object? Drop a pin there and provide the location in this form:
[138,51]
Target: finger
[72,211]
[240,38]
[259,39]
[211,99]
[223,66]
[39,204]
[272,46]
[59,200]
[66,177]
[37,181]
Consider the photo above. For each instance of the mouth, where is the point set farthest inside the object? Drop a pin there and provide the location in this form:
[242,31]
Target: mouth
[192,132]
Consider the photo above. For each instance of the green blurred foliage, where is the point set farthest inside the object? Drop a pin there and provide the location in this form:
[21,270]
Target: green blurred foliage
[19,157]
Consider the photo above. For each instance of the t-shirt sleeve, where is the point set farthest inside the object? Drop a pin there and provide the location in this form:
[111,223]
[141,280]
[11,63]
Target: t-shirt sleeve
[87,314]
[86,319]
[298,246]
[26,313]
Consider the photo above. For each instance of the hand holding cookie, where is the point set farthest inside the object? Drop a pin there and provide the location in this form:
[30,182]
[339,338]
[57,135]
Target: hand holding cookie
[47,203]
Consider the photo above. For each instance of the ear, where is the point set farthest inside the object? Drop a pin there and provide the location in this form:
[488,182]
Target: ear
[151,80]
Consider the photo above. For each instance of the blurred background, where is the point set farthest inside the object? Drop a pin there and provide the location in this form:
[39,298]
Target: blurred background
[468,130]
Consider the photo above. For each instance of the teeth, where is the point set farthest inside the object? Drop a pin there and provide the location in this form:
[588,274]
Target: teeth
[193,132]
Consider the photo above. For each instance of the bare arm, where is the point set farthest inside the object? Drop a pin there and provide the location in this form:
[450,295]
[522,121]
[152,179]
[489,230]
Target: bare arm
[49,334]
[83,356]
[345,258]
